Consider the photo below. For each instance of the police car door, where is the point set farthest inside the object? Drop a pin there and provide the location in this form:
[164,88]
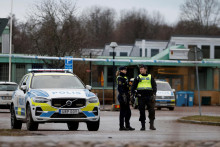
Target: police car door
[20,94]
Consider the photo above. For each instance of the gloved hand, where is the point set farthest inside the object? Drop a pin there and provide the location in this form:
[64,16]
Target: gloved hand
[124,96]
[132,99]
[153,98]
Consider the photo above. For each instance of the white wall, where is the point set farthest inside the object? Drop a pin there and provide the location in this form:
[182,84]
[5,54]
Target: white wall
[199,41]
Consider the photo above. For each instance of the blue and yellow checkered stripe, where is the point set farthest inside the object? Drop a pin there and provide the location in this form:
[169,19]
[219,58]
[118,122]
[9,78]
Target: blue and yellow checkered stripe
[20,111]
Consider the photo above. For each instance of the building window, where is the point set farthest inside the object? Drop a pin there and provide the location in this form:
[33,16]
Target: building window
[37,66]
[96,78]
[111,53]
[154,52]
[206,51]
[3,72]
[217,52]
[202,79]
[124,54]
[192,46]
[110,76]
[140,52]
[179,44]
[0,47]
[145,52]
[20,71]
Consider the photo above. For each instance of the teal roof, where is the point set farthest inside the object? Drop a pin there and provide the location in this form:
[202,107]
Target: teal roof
[164,55]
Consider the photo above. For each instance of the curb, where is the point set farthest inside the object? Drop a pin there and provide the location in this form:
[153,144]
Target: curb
[199,122]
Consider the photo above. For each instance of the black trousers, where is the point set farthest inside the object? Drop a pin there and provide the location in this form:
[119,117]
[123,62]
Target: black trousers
[125,113]
[146,101]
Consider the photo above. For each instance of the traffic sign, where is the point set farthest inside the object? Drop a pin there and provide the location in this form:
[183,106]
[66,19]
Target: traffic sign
[69,63]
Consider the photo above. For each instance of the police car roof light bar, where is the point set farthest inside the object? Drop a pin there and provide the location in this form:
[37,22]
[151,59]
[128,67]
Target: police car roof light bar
[50,70]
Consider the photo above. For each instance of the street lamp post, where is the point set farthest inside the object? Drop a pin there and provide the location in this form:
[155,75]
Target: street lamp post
[9,72]
[113,45]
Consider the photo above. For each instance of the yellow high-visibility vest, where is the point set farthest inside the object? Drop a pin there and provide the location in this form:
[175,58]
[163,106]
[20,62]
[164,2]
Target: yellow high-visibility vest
[145,82]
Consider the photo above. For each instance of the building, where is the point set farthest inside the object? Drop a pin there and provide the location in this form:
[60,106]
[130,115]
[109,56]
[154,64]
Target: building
[181,76]
[149,48]
[4,36]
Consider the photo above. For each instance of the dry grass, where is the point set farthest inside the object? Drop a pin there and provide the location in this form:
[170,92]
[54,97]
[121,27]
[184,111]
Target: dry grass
[203,118]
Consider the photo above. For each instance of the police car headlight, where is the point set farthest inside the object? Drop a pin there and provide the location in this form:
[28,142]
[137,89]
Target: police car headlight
[40,100]
[94,100]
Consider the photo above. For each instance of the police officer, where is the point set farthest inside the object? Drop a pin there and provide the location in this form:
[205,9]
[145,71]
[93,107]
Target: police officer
[146,88]
[124,98]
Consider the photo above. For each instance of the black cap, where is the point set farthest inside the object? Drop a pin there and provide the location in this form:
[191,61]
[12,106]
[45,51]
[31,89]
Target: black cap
[143,66]
[123,68]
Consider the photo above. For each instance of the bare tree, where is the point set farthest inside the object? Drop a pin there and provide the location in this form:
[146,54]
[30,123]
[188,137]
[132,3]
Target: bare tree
[133,24]
[55,30]
[99,24]
[202,12]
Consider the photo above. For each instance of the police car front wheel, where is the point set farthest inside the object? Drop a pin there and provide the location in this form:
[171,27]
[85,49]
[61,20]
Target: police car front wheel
[93,125]
[31,125]
[15,124]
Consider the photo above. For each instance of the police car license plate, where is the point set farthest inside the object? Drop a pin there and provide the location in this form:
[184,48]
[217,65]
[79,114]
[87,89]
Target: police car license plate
[6,98]
[66,111]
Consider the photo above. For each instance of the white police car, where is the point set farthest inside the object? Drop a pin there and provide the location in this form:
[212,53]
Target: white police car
[45,96]
[164,97]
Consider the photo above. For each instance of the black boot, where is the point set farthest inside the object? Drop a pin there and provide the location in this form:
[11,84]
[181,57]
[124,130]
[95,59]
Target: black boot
[130,128]
[123,129]
[152,125]
[143,126]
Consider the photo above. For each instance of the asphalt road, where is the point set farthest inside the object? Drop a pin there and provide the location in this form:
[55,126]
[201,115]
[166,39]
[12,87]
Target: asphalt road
[168,129]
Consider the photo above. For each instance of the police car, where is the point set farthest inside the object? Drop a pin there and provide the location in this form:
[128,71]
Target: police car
[165,96]
[45,95]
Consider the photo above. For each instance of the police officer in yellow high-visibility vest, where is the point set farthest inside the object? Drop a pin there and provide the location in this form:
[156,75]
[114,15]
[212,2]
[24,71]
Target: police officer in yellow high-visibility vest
[146,88]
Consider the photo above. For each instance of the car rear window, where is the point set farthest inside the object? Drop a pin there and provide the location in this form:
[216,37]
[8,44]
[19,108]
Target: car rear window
[163,87]
[8,87]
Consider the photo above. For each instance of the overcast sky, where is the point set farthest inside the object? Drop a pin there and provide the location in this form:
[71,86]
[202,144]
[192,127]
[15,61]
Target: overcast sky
[169,8]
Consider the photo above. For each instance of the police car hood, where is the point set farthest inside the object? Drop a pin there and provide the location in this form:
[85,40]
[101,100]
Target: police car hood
[61,93]
[164,93]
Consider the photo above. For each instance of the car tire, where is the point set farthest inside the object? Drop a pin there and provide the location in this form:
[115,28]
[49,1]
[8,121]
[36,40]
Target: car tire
[93,125]
[171,108]
[31,125]
[15,124]
[73,126]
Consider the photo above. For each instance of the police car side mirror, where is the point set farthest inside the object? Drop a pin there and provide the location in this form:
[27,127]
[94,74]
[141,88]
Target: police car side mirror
[88,87]
[24,88]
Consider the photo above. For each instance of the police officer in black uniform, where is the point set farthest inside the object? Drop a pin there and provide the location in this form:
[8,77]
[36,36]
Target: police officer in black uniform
[124,98]
[146,88]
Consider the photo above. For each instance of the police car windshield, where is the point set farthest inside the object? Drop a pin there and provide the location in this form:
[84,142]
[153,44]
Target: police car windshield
[163,87]
[56,81]
[8,87]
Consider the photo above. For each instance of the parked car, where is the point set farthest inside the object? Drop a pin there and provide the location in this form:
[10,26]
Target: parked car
[6,91]
[165,97]
[45,96]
